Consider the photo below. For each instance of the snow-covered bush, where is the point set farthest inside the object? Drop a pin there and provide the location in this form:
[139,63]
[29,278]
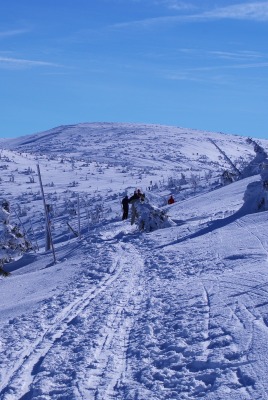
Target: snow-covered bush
[256,195]
[13,242]
[253,168]
[263,191]
[31,179]
[97,213]
[149,218]
[227,177]
[2,271]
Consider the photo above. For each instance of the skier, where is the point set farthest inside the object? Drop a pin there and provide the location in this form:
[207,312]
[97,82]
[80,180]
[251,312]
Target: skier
[125,207]
[171,200]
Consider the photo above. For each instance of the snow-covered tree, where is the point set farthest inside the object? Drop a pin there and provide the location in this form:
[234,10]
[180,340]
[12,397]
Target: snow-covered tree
[149,218]
[227,177]
[13,242]
[253,168]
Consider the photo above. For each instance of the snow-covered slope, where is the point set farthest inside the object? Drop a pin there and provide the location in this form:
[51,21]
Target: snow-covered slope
[178,313]
[151,146]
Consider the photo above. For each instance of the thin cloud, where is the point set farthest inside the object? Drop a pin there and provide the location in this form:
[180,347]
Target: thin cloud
[216,73]
[237,66]
[239,55]
[256,11]
[176,5]
[228,55]
[191,72]
[147,22]
[14,32]
[23,63]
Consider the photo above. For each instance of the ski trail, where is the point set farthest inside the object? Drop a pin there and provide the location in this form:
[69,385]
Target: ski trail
[253,230]
[110,355]
[123,291]
[41,346]
[241,330]
[216,354]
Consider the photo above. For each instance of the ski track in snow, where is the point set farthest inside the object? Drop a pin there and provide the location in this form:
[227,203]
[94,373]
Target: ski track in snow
[131,334]
[217,351]
[103,352]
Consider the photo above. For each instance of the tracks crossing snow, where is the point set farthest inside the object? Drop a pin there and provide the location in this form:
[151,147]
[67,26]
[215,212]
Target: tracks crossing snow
[102,355]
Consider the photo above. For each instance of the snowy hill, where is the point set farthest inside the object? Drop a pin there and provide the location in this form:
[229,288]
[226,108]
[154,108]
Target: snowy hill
[177,313]
[154,144]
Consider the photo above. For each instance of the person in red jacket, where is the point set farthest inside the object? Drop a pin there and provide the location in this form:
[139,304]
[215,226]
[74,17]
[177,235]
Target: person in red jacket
[171,200]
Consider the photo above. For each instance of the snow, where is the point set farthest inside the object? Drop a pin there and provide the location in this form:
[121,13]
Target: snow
[174,313]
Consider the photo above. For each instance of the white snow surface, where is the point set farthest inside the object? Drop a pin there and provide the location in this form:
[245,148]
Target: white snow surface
[177,313]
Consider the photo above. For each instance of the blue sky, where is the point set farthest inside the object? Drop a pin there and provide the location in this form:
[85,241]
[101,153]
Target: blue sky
[189,63]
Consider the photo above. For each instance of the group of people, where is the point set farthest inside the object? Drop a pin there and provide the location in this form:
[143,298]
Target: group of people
[138,195]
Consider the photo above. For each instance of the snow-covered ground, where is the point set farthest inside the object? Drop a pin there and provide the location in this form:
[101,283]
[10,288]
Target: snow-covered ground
[177,313]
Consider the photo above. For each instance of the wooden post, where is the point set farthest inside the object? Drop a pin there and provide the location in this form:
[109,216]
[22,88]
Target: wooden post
[71,229]
[48,230]
[48,233]
[87,219]
[78,216]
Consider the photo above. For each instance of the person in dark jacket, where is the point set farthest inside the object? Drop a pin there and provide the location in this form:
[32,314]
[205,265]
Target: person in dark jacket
[133,198]
[138,195]
[125,207]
